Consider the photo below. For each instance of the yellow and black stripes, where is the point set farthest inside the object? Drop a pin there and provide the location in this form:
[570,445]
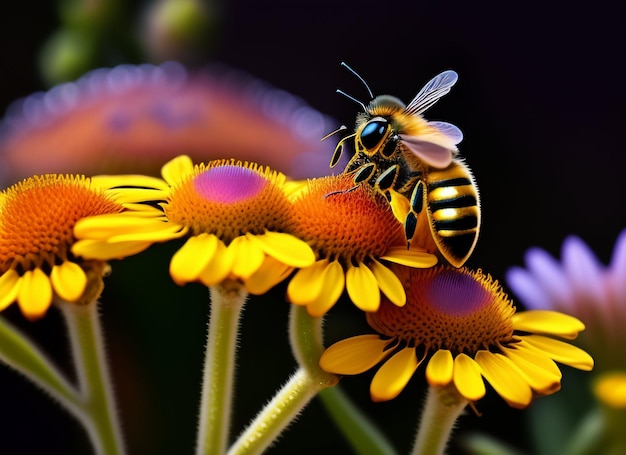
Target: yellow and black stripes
[453,211]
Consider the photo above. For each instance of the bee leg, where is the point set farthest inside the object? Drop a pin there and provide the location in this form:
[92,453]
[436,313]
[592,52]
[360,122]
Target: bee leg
[387,178]
[336,155]
[364,173]
[416,205]
[410,224]
[417,198]
[338,149]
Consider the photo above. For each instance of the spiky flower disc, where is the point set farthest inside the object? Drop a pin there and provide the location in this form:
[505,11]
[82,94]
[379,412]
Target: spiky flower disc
[463,325]
[37,218]
[351,229]
[238,217]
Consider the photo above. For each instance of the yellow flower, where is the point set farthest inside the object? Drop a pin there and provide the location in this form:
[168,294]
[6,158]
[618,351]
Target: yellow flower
[37,218]
[237,215]
[463,325]
[610,388]
[351,230]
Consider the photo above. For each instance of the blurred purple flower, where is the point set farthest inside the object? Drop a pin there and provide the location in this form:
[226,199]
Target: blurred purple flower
[583,287]
[135,118]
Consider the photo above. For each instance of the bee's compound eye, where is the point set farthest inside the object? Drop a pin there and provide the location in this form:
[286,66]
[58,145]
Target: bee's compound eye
[373,133]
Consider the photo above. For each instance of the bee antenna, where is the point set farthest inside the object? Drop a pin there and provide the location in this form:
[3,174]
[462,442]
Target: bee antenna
[332,193]
[345,65]
[350,97]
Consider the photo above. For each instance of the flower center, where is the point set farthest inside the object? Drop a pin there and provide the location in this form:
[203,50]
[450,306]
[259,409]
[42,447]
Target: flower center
[345,223]
[229,184]
[37,218]
[447,308]
[456,294]
[228,199]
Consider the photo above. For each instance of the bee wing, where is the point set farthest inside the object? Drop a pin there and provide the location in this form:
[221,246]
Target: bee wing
[433,154]
[430,94]
[448,130]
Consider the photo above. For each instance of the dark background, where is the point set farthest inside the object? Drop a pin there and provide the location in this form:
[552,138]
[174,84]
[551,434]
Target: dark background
[540,100]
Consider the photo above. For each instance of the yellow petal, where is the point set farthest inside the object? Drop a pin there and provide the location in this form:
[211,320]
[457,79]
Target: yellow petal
[190,260]
[248,256]
[9,288]
[548,322]
[176,169]
[68,280]
[439,368]
[103,251]
[219,267]
[142,210]
[105,227]
[389,283]
[561,351]
[522,352]
[362,287]
[160,233]
[294,188]
[501,373]
[306,284]
[410,258]
[467,378]
[286,248]
[130,180]
[333,283]
[35,294]
[135,195]
[269,275]
[354,355]
[394,375]
[540,372]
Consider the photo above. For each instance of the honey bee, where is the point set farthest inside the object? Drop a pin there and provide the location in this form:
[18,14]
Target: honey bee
[414,163]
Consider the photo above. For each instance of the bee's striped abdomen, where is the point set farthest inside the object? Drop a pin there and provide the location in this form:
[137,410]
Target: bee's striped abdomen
[453,211]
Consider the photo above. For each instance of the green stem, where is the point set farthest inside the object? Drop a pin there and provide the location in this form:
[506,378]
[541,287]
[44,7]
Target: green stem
[305,336]
[306,341]
[227,302]
[18,352]
[286,405]
[364,437]
[292,398]
[98,404]
[443,407]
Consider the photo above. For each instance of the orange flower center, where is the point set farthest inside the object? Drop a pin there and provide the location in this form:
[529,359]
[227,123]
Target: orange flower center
[447,308]
[37,218]
[345,223]
[228,199]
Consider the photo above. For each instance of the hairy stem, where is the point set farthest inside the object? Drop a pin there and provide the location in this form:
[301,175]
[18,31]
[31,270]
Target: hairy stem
[227,302]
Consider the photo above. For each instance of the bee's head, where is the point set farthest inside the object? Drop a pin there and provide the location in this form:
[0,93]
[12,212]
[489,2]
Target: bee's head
[385,105]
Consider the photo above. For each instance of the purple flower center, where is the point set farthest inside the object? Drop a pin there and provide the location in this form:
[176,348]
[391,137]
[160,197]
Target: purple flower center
[229,184]
[456,294]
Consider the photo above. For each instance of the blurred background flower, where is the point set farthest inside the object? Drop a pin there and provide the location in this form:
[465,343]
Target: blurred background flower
[541,108]
[581,286]
[134,118]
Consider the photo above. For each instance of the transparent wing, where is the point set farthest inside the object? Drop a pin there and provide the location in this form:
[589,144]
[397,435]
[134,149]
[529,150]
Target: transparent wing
[448,130]
[430,94]
[435,155]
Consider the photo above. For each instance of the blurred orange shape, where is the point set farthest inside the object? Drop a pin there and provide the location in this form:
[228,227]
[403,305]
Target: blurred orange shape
[135,118]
